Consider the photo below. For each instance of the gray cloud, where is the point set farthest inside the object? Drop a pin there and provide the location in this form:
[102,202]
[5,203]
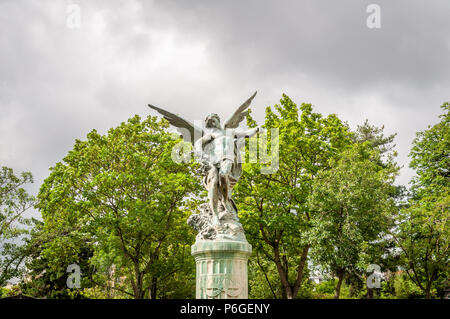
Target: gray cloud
[195,57]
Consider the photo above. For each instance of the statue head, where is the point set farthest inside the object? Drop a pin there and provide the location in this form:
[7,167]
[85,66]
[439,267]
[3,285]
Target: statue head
[212,120]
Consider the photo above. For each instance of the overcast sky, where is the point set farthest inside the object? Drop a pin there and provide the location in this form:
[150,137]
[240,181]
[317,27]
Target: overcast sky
[58,82]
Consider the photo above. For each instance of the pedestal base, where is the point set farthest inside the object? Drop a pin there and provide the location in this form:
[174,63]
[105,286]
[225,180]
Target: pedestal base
[221,269]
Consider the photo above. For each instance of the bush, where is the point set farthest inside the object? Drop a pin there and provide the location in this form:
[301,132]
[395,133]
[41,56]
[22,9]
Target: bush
[406,289]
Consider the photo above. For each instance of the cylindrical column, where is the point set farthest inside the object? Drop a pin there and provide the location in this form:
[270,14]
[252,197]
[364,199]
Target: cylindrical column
[221,269]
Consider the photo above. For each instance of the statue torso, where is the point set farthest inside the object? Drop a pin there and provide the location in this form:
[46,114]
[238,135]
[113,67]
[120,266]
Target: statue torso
[221,147]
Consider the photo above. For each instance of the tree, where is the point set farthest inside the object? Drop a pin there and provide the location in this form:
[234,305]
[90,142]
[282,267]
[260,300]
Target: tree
[351,204]
[273,205]
[123,195]
[42,281]
[423,237]
[423,231]
[263,278]
[430,157]
[14,201]
[375,136]
[382,251]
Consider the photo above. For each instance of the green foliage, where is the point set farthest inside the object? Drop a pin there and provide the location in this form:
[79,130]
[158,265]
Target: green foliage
[330,181]
[10,292]
[423,236]
[351,207]
[122,197]
[117,205]
[14,201]
[423,232]
[326,290]
[377,141]
[3,292]
[274,207]
[327,286]
[43,281]
[406,289]
[430,157]
[263,279]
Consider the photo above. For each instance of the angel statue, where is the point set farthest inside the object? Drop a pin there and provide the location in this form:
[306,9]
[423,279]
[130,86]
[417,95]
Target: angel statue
[217,148]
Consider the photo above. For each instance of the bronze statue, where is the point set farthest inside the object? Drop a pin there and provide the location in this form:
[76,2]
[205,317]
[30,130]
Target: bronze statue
[216,147]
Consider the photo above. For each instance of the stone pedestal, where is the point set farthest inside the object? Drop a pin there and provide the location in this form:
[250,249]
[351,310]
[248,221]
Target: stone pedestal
[221,269]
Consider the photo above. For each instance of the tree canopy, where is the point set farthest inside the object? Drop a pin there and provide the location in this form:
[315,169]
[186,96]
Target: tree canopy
[122,196]
[14,201]
[318,202]
[423,232]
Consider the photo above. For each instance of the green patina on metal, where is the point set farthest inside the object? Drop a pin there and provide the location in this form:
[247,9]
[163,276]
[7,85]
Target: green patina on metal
[217,247]
[221,268]
[221,250]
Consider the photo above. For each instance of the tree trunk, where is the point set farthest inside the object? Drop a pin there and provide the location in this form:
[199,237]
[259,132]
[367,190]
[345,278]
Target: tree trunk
[428,291]
[265,275]
[369,293]
[338,287]
[351,289]
[301,266]
[283,292]
[153,288]
[138,293]
[283,274]
[138,286]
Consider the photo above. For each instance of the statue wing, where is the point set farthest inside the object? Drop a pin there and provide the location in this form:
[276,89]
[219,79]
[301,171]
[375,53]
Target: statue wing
[237,117]
[181,124]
